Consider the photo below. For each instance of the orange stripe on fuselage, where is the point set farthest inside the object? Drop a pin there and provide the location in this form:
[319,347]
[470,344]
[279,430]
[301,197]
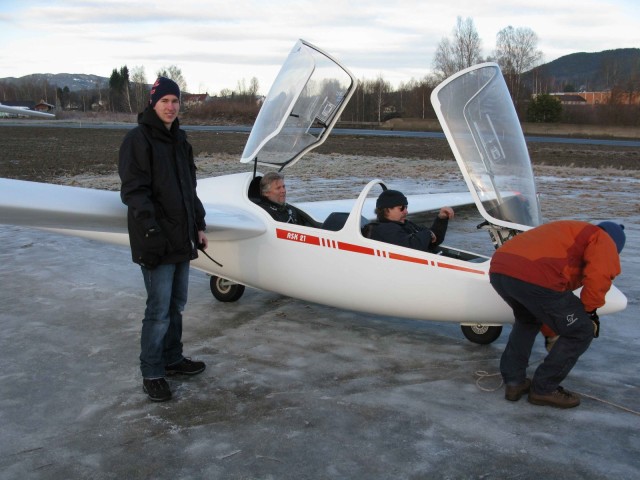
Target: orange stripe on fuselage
[283,234]
[407,258]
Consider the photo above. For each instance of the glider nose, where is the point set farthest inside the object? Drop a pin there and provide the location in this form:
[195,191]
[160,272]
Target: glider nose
[615,301]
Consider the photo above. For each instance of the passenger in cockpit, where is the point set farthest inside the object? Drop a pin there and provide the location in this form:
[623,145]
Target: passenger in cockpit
[393,227]
[273,196]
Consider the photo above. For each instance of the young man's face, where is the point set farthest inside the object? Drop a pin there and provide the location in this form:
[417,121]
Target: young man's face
[167,109]
[277,192]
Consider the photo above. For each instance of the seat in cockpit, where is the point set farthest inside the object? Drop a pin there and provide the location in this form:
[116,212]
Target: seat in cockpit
[336,220]
[254,189]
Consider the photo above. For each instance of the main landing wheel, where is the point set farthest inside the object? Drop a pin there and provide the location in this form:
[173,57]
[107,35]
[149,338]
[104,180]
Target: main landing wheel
[481,334]
[225,290]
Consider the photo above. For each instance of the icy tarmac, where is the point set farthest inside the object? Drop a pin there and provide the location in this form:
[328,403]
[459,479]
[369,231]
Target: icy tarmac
[292,390]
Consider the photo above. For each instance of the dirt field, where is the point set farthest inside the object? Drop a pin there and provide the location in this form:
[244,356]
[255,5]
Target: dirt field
[573,180]
[49,154]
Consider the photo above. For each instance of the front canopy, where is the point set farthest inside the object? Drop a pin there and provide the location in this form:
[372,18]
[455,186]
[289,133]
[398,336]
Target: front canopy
[482,127]
[301,108]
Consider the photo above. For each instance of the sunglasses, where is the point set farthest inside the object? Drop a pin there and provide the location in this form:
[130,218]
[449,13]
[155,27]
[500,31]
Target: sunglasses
[402,207]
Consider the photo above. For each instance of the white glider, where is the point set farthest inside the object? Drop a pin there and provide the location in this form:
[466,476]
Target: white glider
[335,264]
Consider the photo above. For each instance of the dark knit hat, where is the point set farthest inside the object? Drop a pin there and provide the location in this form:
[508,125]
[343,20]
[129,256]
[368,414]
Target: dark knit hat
[390,199]
[163,86]
[616,232]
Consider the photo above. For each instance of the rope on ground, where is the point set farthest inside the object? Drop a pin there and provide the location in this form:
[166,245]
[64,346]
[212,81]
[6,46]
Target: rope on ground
[615,405]
[483,375]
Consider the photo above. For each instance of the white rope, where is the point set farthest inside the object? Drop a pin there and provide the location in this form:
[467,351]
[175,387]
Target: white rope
[483,375]
[609,403]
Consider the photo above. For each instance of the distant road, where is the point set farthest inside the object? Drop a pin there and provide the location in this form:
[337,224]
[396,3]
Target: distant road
[336,131]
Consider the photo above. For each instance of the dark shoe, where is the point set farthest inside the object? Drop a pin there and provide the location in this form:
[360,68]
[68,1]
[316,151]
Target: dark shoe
[561,398]
[513,393]
[157,389]
[185,367]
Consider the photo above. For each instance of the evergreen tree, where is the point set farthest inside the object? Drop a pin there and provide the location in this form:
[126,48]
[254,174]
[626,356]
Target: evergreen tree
[544,108]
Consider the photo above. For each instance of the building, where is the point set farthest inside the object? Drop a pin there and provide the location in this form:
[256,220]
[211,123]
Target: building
[193,99]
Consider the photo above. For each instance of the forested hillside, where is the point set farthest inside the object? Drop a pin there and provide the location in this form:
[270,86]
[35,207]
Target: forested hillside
[592,72]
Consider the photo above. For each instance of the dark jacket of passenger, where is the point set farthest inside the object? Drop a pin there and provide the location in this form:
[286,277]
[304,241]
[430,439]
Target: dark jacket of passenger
[410,235]
[158,177]
[286,213]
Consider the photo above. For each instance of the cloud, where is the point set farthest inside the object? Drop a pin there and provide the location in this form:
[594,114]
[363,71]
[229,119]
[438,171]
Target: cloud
[218,43]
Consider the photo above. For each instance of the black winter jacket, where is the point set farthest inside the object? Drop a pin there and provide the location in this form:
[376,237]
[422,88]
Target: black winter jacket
[158,177]
[408,234]
[286,213]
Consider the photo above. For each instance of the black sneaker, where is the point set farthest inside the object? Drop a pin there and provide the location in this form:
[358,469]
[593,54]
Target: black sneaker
[560,398]
[513,393]
[185,367]
[157,389]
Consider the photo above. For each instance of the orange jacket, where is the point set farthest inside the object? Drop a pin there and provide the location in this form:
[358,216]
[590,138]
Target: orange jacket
[562,256]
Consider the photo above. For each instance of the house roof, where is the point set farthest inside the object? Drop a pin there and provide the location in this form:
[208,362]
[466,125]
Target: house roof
[568,97]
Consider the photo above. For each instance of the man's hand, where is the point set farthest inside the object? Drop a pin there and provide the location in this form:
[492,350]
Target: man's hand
[203,243]
[446,212]
[596,323]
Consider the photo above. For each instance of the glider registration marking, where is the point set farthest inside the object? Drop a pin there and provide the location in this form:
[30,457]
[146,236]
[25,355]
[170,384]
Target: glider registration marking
[291,236]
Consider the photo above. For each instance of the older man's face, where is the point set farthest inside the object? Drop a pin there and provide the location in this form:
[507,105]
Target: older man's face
[277,192]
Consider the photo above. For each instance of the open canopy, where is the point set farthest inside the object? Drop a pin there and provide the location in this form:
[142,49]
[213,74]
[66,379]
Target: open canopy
[482,127]
[301,108]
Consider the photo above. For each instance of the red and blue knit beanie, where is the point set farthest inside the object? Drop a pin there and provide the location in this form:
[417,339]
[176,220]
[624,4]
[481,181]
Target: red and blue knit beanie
[163,86]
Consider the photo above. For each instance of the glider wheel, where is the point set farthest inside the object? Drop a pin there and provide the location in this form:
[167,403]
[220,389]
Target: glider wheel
[225,290]
[481,334]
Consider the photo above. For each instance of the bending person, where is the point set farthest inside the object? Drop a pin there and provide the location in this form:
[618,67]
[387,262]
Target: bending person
[536,273]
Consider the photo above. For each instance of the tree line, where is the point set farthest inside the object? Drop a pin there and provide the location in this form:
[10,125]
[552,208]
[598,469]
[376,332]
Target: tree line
[374,101]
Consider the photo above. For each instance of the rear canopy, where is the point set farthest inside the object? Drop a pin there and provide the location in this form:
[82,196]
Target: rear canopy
[482,127]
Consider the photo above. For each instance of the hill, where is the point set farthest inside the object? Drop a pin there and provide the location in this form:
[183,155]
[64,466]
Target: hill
[594,72]
[75,81]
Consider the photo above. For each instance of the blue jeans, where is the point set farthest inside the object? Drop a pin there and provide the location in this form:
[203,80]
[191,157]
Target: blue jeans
[161,339]
[532,306]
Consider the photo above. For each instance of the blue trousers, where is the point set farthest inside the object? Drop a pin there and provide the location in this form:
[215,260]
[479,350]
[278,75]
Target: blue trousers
[161,339]
[532,306]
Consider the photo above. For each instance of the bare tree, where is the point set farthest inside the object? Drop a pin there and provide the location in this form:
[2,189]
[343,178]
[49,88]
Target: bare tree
[254,87]
[460,52]
[140,90]
[381,89]
[241,87]
[175,74]
[516,52]
[610,70]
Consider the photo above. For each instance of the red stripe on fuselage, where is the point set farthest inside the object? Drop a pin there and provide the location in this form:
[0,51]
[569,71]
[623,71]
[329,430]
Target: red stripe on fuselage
[297,237]
[350,247]
[406,258]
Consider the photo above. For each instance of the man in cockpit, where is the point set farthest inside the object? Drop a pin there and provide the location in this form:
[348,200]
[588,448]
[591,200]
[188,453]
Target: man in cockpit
[393,227]
[273,196]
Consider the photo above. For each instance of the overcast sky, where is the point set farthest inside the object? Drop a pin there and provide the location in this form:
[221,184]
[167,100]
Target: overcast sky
[217,43]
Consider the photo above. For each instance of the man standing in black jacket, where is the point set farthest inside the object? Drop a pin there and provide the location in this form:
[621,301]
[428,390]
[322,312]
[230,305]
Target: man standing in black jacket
[166,227]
